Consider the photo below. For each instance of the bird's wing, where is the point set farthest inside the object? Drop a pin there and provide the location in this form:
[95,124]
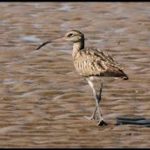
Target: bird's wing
[103,55]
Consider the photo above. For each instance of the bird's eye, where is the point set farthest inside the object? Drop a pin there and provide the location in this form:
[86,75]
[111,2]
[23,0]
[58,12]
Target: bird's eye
[69,35]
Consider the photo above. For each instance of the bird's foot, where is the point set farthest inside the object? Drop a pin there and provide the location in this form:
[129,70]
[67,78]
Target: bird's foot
[89,117]
[102,123]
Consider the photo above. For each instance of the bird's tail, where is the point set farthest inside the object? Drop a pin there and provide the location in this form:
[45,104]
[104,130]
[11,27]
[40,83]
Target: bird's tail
[125,77]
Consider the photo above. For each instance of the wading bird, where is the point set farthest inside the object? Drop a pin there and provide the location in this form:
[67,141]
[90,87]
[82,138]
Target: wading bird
[92,63]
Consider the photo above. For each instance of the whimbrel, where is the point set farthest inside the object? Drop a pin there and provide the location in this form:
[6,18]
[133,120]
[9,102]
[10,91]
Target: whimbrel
[92,63]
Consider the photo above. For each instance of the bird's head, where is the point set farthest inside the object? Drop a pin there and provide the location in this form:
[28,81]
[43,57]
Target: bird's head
[72,36]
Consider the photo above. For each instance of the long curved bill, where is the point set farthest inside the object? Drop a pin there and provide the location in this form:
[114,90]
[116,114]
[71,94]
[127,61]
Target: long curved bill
[47,42]
[43,44]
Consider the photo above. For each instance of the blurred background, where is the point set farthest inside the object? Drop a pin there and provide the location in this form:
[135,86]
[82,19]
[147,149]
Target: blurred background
[43,100]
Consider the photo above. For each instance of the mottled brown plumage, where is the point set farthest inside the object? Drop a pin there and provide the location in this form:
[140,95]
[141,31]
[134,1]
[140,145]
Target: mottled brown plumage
[92,61]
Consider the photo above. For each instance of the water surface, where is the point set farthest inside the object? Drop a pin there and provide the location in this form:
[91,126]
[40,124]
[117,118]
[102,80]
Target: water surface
[43,100]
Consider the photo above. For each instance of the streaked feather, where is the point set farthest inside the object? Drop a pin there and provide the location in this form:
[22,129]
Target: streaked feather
[94,62]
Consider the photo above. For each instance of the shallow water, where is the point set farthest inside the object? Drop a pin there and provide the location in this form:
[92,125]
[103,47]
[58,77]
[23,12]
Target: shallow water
[43,100]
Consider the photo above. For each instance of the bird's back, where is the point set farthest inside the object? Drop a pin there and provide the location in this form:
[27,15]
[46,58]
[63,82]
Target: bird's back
[94,62]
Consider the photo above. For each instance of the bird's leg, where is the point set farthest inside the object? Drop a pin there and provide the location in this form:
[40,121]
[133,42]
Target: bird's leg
[97,100]
[99,96]
[92,117]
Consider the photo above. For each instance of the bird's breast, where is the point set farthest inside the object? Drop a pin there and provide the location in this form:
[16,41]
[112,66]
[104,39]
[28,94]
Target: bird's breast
[84,66]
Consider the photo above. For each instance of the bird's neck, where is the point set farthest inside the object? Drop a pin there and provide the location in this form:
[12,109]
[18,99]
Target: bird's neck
[77,47]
